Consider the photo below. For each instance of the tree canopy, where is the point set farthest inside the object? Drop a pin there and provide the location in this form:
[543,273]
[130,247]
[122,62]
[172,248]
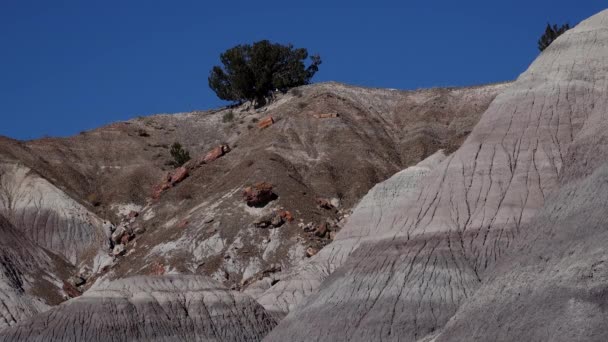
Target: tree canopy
[551,34]
[252,72]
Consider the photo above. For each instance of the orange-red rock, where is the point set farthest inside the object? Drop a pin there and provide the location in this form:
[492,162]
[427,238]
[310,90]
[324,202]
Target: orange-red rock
[216,153]
[259,194]
[286,215]
[179,175]
[266,122]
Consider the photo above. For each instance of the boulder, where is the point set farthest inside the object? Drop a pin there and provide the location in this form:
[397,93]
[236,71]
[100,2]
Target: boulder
[216,153]
[259,194]
[266,122]
[179,175]
[118,233]
[270,220]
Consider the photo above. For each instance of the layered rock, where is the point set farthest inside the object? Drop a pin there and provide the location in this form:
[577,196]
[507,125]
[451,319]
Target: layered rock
[430,257]
[376,209]
[30,278]
[164,308]
[47,215]
[552,286]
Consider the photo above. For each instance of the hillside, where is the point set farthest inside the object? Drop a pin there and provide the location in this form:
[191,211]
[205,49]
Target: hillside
[203,225]
[501,241]
[335,213]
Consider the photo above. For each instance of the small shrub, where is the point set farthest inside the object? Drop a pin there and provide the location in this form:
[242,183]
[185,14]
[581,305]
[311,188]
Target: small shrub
[302,105]
[254,120]
[179,154]
[142,133]
[228,116]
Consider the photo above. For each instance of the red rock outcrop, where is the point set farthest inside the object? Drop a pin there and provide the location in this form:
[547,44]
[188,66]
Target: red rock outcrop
[259,194]
[266,122]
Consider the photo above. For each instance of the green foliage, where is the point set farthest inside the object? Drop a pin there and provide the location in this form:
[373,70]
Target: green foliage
[179,154]
[228,116]
[252,72]
[551,34]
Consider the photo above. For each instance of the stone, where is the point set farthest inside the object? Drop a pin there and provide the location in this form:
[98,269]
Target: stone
[216,153]
[277,221]
[119,250]
[259,194]
[76,280]
[286,215]
[208,219]
[335,202]
[179,175]
[274,219]
[266,122]
[324,203]
[311,251]
[139,230]
[118,233]
[321,230]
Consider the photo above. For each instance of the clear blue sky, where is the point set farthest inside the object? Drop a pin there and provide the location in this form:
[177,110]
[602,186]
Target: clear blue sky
[68,66]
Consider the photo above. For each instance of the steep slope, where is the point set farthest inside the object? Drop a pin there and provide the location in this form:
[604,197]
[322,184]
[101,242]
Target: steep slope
[407,280]
[380,204]
[30,278]
[552,286]
[327,141]
[168,308]
[48,216]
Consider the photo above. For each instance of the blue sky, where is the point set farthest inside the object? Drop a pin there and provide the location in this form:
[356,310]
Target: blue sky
[69,66]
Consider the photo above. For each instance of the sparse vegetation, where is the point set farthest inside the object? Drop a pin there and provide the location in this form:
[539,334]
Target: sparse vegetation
[551,34]
[302,105]
[253,72]
[228,116]
[142,133]
[179,154]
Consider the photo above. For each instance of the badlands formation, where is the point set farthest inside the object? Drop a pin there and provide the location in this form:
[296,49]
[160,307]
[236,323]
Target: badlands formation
[369,215]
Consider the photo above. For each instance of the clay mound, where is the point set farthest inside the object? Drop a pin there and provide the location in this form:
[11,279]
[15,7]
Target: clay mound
[381,203]
[552,286]
[433,255]
[48,216]
[167,308]
[30,278]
